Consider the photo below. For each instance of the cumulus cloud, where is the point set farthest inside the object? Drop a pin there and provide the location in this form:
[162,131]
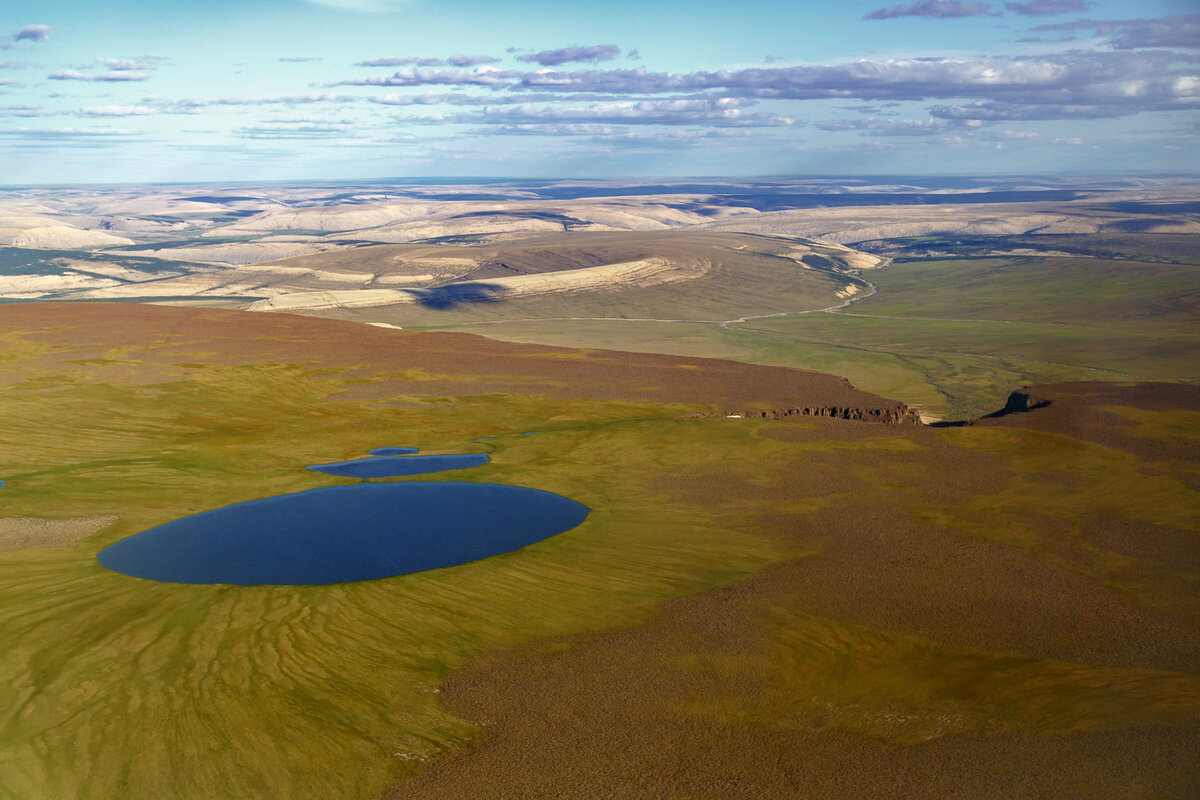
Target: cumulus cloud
[1150,80]
[935,9]
[1070,85]
[551,58]
[470,61]
[1182,30]
[32,33]
[1046,8]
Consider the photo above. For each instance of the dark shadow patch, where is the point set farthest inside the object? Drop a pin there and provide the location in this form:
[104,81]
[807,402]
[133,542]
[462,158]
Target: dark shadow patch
[1018,403]
[1148,225]
[459,294]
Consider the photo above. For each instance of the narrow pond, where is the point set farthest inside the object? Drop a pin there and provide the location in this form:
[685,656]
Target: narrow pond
[386,465]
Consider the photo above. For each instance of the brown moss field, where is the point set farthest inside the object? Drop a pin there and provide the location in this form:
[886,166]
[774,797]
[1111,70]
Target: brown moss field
[805,606]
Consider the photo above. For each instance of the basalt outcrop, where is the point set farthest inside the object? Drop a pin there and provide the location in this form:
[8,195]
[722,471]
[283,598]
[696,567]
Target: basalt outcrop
[899,415]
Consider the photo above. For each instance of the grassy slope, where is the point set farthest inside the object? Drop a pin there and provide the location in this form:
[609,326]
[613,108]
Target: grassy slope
[117,687]
[113,687]
[953,337]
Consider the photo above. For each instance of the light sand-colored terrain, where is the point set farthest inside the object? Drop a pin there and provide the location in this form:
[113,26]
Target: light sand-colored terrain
[248,225]
[28,533]
[630,275]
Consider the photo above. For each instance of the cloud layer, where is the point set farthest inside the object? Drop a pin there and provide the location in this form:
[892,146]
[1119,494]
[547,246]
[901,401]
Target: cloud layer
[552,58]
[935,9]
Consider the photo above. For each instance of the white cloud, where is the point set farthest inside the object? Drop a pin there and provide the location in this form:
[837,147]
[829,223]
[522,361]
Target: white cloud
[361,6]
[115,111]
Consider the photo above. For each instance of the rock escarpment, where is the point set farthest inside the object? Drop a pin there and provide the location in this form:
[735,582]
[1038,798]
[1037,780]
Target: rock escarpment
[899,415]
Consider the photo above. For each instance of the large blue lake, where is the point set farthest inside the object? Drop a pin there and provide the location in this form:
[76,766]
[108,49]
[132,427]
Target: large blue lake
[345,533]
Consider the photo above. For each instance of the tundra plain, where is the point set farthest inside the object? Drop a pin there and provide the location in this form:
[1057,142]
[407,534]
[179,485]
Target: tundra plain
[988,283]
[787,586]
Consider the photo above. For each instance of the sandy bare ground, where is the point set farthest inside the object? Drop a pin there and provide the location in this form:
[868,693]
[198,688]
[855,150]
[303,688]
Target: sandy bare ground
[626,275]
[29,533]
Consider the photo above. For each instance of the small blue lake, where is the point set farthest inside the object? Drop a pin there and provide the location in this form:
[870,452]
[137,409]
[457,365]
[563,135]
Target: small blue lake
[389,465]
[345,533]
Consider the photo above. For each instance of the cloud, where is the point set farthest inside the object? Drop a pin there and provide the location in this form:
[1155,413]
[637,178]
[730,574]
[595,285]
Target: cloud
[361,6]
[459,99]
[483,76]
[297,129]
[161,105]
[1012,112]
[386,62]
[551,58]
[725,112]
[470,61]
[874,126]
[1045,8]
[1150,80]
[127,64]
[935,9]
[115,111]
[87,136]
[32,33]
[1182,30]
[1070,85]
[110,77]
[619,136]
[297,59]
[26,111]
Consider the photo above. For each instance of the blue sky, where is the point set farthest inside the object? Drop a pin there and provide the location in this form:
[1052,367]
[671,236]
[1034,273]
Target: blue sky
[139,91]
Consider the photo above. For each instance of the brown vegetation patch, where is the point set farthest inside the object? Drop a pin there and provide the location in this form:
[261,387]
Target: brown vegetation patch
[750,690]
[232,337]
[1174,548]
[1089,411]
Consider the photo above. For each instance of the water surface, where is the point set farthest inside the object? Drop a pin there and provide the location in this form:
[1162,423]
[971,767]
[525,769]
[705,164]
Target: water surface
[393,451]
[345,533]
[388,466]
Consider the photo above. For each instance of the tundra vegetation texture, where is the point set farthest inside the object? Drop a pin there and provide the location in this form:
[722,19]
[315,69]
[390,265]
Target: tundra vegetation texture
[766,600]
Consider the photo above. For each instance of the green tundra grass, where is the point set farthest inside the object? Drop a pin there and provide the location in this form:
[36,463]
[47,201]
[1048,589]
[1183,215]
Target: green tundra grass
[121,688]
[950,337]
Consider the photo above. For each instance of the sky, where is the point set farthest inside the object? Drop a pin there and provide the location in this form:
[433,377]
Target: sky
[148,91]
